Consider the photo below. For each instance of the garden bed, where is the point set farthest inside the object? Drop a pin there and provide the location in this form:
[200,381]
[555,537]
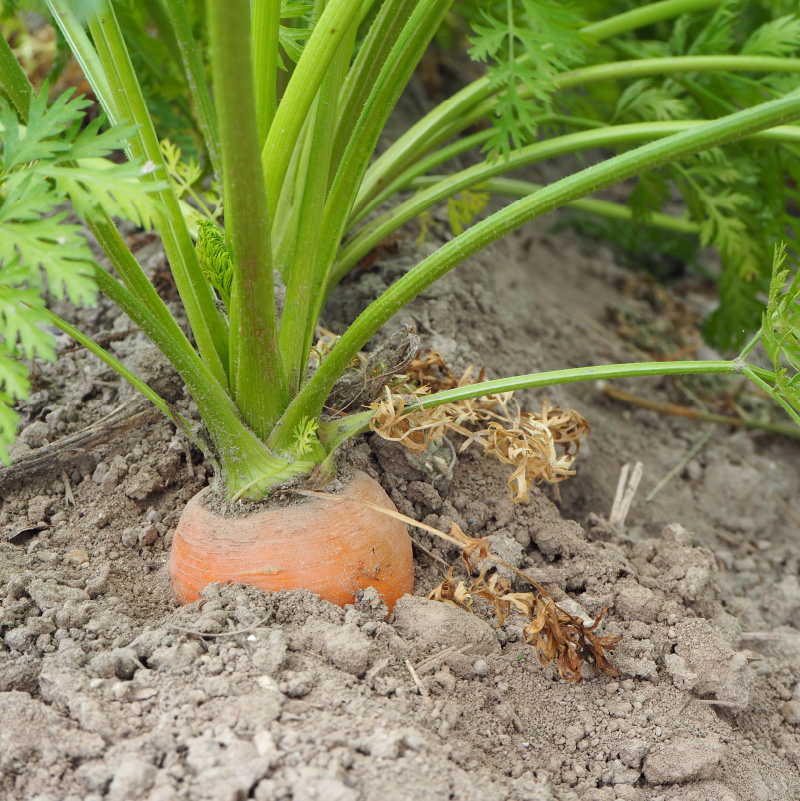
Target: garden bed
[107,690]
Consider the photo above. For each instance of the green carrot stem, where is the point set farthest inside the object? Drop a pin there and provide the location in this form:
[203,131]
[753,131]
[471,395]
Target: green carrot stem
[312,398]
[447,118]
[330,29]
[13,80]
[305,280]
[257,375]
[378,229]
[266,26]
[194,69]
[196,296]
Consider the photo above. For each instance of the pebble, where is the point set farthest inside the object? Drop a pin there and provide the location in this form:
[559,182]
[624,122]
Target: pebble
[480,667]
[635,602]
[791,713]
[633,751]
[297,685]
[149,535]
[383,744]
[79,556]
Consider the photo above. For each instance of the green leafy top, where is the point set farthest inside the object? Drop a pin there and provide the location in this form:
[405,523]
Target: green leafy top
[44,165]
[739,197]
[293,38]
[546,33]
[780,334]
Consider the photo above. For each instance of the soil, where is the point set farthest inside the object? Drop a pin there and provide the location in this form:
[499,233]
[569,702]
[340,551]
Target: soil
[109,691]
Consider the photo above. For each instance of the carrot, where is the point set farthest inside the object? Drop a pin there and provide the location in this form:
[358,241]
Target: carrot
[331,549]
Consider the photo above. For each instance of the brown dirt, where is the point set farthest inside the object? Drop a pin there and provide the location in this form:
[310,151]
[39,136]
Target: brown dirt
[108,691]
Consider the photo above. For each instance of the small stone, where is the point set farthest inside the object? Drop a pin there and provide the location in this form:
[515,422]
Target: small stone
[626,792]
[35,435]
[383,745]
[143,484]
[424,493]
[132,779]
[791,713]
[219,687]
[370,604]
[296,685]
[634,602]
[148,535]
[435,626]
[265,743]
[480,667]
[693,470]
[79,556]
[721,672]
[174,658]
[215,666]
[130,538]
[49,595]
[633,752]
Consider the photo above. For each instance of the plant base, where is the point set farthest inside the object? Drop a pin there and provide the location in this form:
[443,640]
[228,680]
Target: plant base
[331,548]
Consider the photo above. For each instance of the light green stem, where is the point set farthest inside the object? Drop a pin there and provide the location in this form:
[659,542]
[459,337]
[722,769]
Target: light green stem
[372,54]
[120,368]
[626,165]
[465,143]
[257,374]
[603,372]
[406,52]
[196,296]
[378,229]
[320,49]
[306,279]
[646,15]
[448,117]
[85,55]
[195,77]
[266,25]
[600,208]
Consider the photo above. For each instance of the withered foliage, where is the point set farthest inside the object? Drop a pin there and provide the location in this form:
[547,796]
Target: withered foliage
[557,635]
[540,446]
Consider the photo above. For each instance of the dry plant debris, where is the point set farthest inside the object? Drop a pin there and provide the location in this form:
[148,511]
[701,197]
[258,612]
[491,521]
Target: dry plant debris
[541,446]
[557,635]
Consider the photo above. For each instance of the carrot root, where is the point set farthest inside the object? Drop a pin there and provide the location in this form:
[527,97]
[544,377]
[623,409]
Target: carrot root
[332,550]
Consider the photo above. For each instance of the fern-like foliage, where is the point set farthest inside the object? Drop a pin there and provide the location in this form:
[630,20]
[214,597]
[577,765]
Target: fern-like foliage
[462,210]
[780,334]
[545,32]
[293,37]
[44,165]
[186,176]
[742,196]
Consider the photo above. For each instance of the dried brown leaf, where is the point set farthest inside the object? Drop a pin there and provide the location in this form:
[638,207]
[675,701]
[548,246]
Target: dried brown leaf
[452,592]
[527,441]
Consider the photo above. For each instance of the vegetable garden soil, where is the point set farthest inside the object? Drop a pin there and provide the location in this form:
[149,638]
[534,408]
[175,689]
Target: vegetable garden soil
[108,691]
